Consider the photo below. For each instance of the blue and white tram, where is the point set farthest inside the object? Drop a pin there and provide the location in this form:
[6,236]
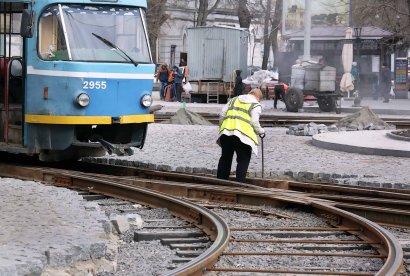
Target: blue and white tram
[75,77]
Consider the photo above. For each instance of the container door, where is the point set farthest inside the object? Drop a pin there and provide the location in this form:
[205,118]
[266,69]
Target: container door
[213,59]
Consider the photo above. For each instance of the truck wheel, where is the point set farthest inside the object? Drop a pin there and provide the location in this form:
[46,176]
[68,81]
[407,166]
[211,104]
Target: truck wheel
[294,99]
[326,104]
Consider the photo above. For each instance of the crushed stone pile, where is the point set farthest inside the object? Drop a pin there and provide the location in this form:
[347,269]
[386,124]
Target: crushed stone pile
[364,119]
[185,117]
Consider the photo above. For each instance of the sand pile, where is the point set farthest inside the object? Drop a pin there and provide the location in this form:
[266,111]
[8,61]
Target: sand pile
[186,117]
[363,119]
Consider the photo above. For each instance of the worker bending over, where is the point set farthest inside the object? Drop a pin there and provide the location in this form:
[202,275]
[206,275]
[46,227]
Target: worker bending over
[239,128]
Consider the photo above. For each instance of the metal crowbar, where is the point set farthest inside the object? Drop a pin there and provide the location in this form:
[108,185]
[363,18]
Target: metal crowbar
[263,164]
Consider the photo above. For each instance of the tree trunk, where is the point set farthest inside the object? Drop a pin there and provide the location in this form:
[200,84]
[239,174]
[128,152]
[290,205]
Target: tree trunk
[244,15]
[276,24]
[266,36]
[203,11]
[408,13]
[156,16]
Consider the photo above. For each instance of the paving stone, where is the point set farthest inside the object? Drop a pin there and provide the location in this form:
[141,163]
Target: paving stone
[120,223]
[27,245]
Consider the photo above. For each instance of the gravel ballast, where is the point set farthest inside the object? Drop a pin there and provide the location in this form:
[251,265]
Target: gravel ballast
[192,148]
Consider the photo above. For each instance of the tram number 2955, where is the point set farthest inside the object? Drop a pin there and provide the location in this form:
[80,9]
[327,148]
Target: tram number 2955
[95,85]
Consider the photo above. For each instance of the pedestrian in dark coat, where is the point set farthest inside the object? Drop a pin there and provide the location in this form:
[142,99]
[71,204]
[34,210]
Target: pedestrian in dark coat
[385,82]
[178,76]
[237,90]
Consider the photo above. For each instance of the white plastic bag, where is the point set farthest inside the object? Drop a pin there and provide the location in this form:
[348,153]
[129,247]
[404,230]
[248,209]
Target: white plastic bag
[187,87]
[392,94]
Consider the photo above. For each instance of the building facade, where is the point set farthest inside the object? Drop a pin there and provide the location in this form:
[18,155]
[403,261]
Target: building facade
[172,41]
[327,41]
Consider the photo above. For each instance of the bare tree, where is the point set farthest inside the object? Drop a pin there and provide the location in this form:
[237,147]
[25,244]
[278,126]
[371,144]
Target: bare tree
[244,15]
[275,26]
[268,14]
[266,33]
[391,15]
[203,11]
[156,16]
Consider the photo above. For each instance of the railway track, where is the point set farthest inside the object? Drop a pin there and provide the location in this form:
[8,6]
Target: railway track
[268,120]
[358,239]
[382,205]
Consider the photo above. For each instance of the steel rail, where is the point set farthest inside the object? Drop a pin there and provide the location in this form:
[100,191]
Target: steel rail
[370,232]
[268,120]
[382,205]
[388,206]
[293,272]
[395,253]
[332,189]
[212,224]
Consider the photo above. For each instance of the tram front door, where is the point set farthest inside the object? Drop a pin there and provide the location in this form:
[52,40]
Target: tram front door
[11,74]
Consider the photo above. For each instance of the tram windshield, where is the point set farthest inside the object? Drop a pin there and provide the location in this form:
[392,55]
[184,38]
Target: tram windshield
[74,32]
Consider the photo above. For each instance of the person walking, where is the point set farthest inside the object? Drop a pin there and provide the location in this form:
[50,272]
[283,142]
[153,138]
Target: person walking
[177,77]
[238,130]
[162,75]
[237,90]
[385,82]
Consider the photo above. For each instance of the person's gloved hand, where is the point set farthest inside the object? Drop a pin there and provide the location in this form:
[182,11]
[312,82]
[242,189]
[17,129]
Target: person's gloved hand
[262,133]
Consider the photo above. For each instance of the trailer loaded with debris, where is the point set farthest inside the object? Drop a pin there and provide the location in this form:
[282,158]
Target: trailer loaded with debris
[313,79]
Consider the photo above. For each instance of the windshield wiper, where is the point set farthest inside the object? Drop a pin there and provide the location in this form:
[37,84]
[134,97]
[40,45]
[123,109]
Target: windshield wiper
[110,44]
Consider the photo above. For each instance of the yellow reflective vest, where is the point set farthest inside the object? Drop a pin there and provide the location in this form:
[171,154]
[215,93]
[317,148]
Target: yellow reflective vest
[238,117]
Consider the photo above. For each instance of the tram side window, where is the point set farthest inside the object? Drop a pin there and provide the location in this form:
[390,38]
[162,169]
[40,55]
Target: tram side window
[14,41]
[51,39]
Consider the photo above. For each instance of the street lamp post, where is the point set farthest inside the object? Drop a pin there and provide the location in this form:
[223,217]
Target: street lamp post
[357,35]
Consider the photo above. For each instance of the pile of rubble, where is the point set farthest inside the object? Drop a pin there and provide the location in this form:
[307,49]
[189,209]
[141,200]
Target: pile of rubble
[186,117]
[365,119]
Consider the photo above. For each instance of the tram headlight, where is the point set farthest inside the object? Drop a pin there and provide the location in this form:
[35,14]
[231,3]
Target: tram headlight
[83,99]
[146,100]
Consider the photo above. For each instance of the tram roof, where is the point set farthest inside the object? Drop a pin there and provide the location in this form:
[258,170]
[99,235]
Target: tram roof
[140,3]
[16,1]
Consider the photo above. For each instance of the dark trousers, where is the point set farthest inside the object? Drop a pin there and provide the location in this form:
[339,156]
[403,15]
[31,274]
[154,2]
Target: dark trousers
[177,87]
[162,92]
[231,145]
[278,95]
[386,91]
